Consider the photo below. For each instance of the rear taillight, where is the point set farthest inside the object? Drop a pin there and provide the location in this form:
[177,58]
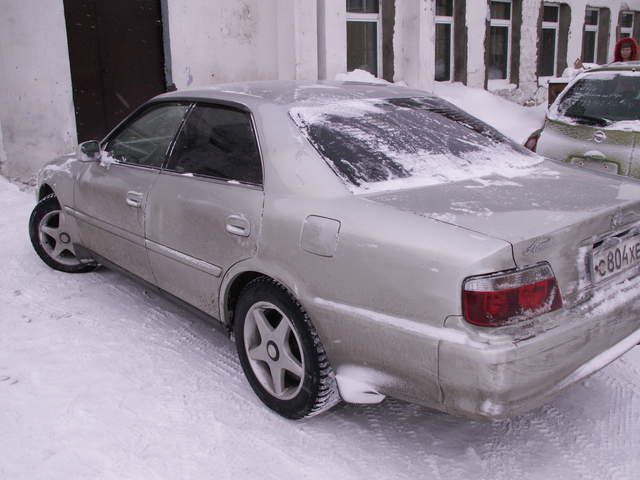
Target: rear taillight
[532,142]
[503,298]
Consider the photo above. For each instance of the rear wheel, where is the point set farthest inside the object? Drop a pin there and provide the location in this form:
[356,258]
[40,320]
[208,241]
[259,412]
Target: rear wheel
[50,237]
[281,353]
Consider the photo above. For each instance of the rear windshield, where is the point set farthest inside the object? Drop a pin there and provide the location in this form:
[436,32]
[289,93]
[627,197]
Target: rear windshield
[603,98]
[383,144]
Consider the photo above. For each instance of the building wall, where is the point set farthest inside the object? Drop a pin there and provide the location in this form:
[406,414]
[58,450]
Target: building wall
[232,40]
[36,108]
[216,41]
[529,88]
[414,55]
[332,38]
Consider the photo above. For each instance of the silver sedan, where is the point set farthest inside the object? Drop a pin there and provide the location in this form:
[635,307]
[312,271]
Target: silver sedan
[358,241]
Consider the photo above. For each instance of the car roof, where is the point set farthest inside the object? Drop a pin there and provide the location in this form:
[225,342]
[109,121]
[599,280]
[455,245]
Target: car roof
[618,66]
[289,93]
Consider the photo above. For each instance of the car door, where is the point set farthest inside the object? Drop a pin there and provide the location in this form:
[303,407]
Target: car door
[111,195]
[204,210]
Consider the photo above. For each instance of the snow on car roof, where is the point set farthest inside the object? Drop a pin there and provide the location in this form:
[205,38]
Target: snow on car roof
[292,93]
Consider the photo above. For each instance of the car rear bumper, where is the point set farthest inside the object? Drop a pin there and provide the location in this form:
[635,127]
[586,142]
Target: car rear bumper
[495,379]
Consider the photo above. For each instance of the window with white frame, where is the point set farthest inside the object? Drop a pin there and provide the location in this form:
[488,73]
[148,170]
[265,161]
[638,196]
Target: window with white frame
[549,40]
[590,35]
[499,67]
[444,40]
[364,36]
[626,24]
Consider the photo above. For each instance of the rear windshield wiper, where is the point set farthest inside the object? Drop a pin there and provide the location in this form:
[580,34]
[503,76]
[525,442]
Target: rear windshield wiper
[590,120]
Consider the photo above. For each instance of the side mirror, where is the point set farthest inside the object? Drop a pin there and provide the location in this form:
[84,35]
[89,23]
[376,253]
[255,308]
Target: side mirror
[89,151]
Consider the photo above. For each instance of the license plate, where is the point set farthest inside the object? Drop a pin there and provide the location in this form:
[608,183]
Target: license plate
[611,260]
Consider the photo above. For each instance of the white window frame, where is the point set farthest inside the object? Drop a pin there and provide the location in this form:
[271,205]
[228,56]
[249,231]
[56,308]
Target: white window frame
[628,30]
[593,28]
[443,20]
[553,26]
[495,22]
[371,18]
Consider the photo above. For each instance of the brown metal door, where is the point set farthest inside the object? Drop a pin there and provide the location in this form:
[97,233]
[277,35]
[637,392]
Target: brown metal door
[117,60]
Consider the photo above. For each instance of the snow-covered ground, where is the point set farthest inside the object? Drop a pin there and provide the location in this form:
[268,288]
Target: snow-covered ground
[101,379]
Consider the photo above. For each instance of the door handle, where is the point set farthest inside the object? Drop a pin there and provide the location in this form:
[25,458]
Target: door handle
[238,225]
[134,199]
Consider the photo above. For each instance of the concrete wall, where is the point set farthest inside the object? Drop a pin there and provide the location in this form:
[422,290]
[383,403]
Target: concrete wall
[476,24]
[413,43]
[216,41]
[332,38]
[222,41]
[37,120]
[235,40]
[529,88]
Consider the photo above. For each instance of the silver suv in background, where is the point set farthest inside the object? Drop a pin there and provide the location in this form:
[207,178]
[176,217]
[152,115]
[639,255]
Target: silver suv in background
[595,122]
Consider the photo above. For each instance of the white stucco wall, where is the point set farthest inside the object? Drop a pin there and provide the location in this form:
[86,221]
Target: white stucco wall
[222,41]
[413,43]
[332,38]
[297,48]
[476,27]
[477,11]
[235,40]
[36,101]
[3,155]
[577,22]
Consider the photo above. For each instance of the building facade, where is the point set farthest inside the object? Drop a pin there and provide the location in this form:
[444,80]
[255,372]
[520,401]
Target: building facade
[71,69]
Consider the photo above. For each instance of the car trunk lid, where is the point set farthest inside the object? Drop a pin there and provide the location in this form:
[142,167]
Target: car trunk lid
[559,216]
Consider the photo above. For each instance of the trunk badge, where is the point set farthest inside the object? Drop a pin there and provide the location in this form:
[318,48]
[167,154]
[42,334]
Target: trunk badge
[537,245]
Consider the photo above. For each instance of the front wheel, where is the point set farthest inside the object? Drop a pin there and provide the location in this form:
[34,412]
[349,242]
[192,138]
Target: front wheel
[281,353]
[51,239]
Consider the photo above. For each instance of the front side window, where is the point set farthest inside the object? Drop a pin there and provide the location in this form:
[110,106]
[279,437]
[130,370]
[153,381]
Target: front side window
[603,98]
[219,142]
[444,40]
[590,35]
[364,36]
[549,41]
[626,24]
[500,40]
[145,139]
[382,144]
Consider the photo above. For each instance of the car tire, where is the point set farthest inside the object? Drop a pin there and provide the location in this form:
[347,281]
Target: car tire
[281,353]
[51,241]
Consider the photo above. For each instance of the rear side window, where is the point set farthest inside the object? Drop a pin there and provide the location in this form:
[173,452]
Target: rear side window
[381,144]
[219,142]
[145,139]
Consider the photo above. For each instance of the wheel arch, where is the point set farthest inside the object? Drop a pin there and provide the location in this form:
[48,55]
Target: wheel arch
[45,190]
[237,278]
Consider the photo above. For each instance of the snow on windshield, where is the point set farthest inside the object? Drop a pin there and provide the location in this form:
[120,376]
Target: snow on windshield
[385,144]
[604,99]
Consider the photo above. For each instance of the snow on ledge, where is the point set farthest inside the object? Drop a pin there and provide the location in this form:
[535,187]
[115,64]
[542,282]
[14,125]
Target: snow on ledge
[358,75]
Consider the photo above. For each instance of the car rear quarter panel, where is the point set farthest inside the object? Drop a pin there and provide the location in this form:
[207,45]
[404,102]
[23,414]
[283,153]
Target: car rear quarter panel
[380,302]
